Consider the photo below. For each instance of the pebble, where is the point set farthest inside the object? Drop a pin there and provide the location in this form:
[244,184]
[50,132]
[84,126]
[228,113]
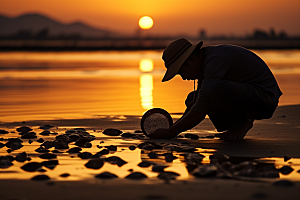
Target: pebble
[23,130]
[149,146]
[180,148]
[41,140]
[153,155]
[30,135]
[103,152]
[47,156]
[106,175]
[218,158]
[245,165]
[45,133]
[60,145]
[112,132]
[79,129]
[41,170]
[8,157]
[158,168]
[41,150]
[70,131]
[3,131]
[136,176]
[31,167]
[64,175]
[286,170]
[15,145]
[128,135]
[85,155]
[112,148]
[94,164]
[63,138]
[132,147]
[42,177]
[21,157]
[87,145]
[115,160]
[167,175]
[191,136]
[48,144]
[271,174]
[13,141]
[74,150]
[50,164]
[284,183]
[46,127]
[170,147]
[205,171]
[169,157]
[193,158]
[81,142]
[5,163]
[9,150]
[286,158]
[144,164]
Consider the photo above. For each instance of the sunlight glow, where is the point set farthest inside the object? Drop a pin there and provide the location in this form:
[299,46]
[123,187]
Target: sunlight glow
[146,88]
[145,22]
[146,65]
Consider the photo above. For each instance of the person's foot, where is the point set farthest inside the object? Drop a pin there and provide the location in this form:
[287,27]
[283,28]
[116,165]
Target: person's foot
[237,133]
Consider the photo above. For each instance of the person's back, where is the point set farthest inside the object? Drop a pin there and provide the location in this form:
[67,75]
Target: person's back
[237,64]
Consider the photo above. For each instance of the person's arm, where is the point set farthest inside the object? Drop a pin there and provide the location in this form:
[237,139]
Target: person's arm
[190,101]
[190,120]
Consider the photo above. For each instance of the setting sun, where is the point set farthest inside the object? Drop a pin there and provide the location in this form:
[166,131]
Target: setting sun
[145,22]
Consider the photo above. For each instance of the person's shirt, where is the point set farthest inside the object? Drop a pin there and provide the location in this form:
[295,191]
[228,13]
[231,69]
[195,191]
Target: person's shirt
[240,65]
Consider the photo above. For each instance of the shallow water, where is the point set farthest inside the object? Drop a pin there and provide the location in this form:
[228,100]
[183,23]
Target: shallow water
[60,85]
[74,85]
[73,165]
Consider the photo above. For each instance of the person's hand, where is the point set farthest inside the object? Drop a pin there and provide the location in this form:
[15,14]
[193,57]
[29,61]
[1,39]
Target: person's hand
[160,134]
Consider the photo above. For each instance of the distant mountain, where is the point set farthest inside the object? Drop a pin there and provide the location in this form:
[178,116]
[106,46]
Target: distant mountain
[36,22]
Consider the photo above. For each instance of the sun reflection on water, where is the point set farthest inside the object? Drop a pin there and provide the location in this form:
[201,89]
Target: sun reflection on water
[146,65]
[146,83]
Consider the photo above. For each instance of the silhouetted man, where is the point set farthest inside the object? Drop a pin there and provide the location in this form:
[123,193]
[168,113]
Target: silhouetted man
[235,87]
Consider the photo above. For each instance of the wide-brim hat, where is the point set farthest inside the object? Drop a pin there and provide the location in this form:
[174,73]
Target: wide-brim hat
[176,54]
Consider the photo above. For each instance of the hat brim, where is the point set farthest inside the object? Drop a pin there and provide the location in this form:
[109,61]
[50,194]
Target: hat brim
[173,69]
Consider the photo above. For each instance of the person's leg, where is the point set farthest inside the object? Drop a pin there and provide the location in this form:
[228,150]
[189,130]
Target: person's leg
[232,108]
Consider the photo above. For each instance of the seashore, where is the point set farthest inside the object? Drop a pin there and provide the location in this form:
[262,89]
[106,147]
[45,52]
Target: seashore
[274,141]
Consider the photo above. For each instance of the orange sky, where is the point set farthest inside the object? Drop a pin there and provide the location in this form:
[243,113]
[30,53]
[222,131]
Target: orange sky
[237,17]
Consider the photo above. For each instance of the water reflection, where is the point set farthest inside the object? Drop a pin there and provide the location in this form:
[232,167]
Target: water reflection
[76,85]
[183,162]
[146,83]
[146,65]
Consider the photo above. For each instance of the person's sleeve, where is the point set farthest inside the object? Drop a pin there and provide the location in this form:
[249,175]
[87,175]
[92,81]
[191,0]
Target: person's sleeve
[214,70]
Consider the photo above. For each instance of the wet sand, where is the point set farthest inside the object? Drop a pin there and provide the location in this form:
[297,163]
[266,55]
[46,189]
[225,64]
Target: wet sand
[277,137]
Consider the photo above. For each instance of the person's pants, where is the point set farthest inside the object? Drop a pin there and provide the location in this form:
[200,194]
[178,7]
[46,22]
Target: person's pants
[230,104]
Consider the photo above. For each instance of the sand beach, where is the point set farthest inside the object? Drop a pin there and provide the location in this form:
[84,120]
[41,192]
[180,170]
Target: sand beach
[274,141]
